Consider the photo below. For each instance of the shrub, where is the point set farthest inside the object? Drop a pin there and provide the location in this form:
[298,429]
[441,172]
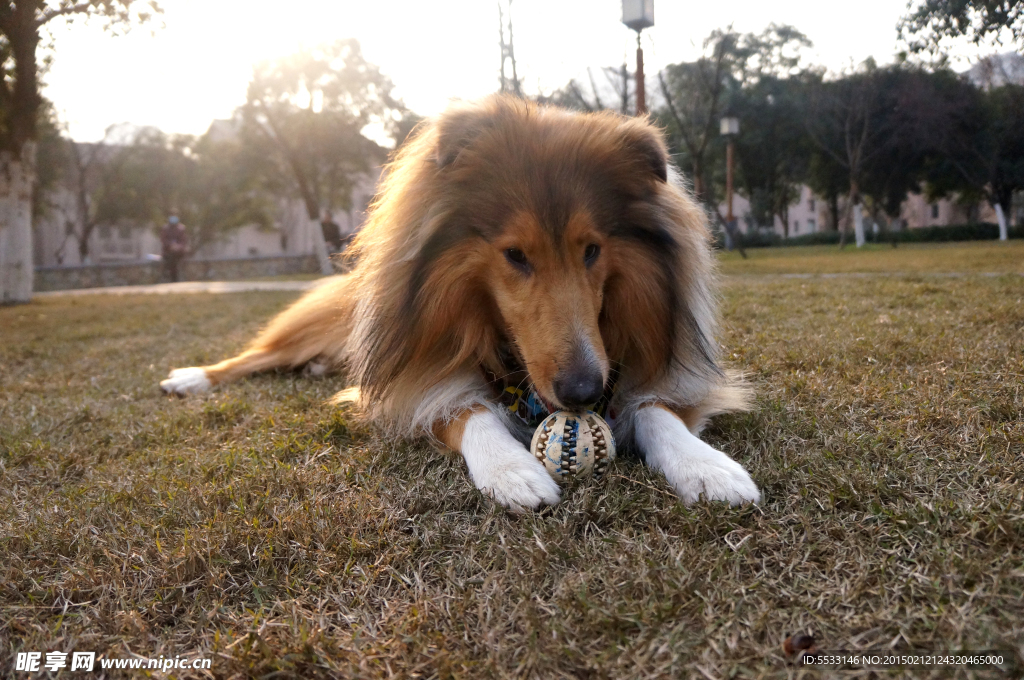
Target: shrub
[980,231]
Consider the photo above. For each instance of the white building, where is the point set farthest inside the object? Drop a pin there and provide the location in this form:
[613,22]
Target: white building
[810,213]
[807,215]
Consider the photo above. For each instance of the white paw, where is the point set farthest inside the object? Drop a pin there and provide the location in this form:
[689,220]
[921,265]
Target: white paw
[692,467]
[191,380]
[718,479]
[316,369]
[518,485]
[502,468]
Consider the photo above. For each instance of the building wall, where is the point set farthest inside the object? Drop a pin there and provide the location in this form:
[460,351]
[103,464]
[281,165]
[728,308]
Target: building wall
[143,273]
[917,212]
[806,215]
[809,214]
[247,241]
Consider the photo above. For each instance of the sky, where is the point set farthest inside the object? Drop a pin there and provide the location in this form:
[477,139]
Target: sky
[192,65]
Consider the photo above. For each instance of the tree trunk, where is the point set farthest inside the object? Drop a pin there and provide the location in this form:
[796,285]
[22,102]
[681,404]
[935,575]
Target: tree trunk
[698,182]
[858,225]
[853,199]
[86,225]
[624,106]
[313,212]
[320,246]
[83,245]
[842,225]
[1001,218]
[16,266]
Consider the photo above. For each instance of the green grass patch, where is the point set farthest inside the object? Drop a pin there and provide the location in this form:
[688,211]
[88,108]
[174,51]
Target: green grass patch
[919,258]
[275,534]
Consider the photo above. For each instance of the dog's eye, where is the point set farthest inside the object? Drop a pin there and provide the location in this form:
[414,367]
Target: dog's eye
[517,259]
[591,253]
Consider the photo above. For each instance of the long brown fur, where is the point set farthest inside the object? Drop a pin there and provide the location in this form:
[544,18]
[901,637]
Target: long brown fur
[432,298]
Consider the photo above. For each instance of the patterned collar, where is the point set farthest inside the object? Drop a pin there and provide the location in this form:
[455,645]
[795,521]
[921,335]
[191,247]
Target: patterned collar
[514,390]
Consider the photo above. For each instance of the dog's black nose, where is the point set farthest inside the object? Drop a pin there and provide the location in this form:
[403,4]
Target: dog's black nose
[577,388]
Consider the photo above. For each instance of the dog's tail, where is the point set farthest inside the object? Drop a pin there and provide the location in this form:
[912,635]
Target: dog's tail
[730,396]
[735,394]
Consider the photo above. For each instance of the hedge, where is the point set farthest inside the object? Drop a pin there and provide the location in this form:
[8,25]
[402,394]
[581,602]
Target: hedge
[979,231]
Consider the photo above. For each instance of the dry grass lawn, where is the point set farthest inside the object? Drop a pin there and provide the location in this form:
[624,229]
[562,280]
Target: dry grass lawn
[274,534]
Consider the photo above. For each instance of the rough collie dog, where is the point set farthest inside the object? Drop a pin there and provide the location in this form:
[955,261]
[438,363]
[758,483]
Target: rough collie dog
[519,260]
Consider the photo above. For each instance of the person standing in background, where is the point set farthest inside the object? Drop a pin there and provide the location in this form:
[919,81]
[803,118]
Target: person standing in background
[332,233]
[174,240]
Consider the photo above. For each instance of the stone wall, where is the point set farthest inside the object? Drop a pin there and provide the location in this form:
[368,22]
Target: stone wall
[142,273]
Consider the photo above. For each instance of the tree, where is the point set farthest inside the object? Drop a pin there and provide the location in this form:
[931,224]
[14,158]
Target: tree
[998,69]
[143,178]
[513,85]
[404,127]
[830,180]
[620,80]
[228,190]
[21,25]
[698,93]
[776,52]
[849,122]
[52,155]
[934,20]
[772,148]
[214,185]
[141,175]
[695,95]
[306,113]
[882,129]
[982,147]
[915,120]
[924,29]
[87,169]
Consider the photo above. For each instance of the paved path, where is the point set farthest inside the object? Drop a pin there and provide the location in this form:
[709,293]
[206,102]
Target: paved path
[192,287]
[250,286]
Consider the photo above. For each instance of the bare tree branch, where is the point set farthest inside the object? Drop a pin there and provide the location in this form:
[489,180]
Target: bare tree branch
[575,88]
[683,132]
[593,88]
[78,8]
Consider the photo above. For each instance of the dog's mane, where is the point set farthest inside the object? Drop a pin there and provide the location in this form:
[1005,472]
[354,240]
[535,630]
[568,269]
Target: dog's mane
[424,324]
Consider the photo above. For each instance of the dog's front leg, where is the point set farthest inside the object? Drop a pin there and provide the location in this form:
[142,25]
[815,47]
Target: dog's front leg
[691,466]
[499,465]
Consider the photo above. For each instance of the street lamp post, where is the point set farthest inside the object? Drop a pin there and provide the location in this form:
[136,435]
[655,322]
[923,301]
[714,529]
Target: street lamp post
[638,15]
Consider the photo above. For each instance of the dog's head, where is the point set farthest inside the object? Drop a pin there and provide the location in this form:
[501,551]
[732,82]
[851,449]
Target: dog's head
[555,232]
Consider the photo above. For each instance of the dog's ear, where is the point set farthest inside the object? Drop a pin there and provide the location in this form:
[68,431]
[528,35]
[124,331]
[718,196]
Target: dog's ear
[646,142]
[456,130]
